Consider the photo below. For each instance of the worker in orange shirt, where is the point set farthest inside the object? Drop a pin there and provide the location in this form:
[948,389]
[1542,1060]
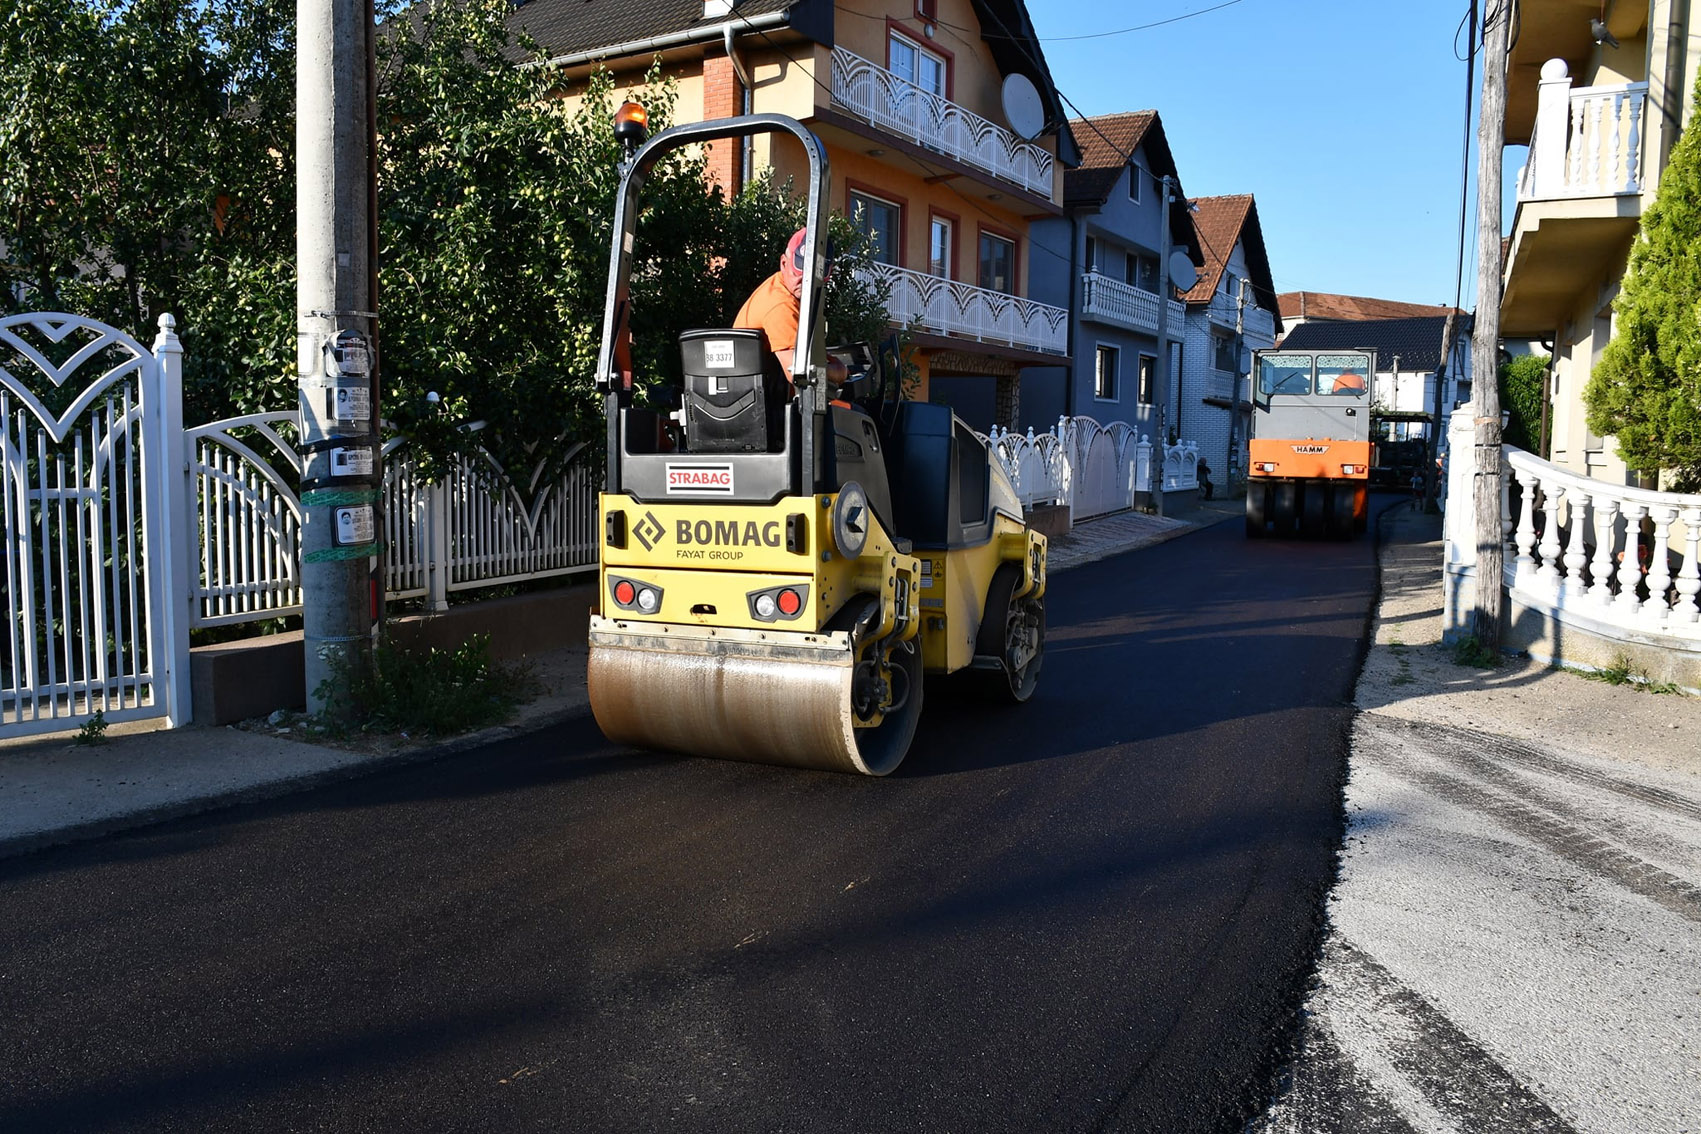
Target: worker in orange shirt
[1349,383]
[773,308]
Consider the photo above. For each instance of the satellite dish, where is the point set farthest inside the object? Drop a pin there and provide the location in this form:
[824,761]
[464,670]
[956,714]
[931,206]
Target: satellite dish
[1022,107]
[1182,272]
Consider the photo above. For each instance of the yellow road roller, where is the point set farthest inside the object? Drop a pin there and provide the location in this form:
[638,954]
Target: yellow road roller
[784,561]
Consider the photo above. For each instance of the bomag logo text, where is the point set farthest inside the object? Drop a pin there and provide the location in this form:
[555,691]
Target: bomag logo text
[727,533]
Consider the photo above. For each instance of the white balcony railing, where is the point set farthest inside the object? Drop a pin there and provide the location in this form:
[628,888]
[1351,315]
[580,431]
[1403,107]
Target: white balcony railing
[877,96]
[953,308]
[1587,141]
[1124,305]
[1255,322]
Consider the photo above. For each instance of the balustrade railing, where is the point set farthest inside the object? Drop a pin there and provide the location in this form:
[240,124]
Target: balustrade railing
[1587,141]
[954,308]
[876,95]
[1091,468]
[1124,305]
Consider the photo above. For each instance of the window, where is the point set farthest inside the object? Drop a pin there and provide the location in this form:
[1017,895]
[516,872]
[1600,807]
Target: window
[997,263]
[882,221]
[1284,374]
[913,63]
[941,242]
[1104,373]
[1135,176]
[1231,284]
[1143,271]
[1347,374]
[927,10]
[1092,254]
[1148,378]
[1224,355]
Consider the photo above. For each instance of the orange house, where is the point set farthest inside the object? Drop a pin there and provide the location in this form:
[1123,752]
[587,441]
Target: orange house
[943,130]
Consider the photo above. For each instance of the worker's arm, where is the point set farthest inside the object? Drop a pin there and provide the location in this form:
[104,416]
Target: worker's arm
[836,372]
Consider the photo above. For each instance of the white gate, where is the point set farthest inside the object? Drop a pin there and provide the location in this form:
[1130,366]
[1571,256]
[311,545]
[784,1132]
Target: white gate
[87,511]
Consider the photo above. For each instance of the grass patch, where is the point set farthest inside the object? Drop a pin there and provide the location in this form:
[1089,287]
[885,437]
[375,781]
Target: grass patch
[1472,653]
[428,692]
[1623,672]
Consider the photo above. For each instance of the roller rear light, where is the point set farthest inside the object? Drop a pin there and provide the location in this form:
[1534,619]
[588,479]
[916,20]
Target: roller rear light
[634,594]
[778,604]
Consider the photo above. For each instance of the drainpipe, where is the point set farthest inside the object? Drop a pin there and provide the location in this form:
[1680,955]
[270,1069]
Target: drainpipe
[1074,314]
[745,85]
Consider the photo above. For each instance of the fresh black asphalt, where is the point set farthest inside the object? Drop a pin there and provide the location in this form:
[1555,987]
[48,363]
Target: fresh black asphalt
[1093,912]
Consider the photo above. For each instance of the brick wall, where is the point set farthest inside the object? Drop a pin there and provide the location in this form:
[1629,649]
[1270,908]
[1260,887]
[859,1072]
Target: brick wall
[723,97]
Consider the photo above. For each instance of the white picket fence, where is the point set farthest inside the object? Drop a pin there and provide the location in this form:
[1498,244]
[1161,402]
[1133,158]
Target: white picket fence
[1091,469]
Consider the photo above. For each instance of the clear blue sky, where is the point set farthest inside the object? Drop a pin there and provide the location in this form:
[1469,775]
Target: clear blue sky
[1343,117]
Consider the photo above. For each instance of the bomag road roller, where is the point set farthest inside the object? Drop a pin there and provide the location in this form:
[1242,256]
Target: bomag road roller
[1308,469]
[782,560]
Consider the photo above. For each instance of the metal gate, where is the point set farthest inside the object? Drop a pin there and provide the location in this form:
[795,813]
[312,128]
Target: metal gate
[91,513]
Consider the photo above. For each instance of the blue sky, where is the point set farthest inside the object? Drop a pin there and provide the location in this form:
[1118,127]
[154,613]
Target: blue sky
[1343,117]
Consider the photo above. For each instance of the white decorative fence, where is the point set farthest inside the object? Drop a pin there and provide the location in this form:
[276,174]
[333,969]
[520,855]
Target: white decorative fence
[473,529]
[1125,305]
[1090,468]
[1616,561]
[876,95]
[957,308]
[86,525]
[1587,141]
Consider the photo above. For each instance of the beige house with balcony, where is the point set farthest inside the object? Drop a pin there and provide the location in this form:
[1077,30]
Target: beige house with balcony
[1600,118]
[908,97]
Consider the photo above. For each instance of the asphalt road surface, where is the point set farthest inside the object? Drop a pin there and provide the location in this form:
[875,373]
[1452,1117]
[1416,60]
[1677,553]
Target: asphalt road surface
[1093,912]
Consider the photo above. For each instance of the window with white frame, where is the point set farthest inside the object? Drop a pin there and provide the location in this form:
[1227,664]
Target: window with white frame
[1148,378]
[941,244]
[881,220]
[1092,253]
[913,63]
[1104,373]
[1135,176]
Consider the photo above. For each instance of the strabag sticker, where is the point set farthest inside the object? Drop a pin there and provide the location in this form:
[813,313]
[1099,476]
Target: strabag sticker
[712,480]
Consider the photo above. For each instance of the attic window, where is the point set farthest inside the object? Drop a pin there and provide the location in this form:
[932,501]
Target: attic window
[1135,176]
[927,10]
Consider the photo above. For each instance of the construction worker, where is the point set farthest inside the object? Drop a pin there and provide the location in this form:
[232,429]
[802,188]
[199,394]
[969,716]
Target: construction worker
[773,308]
[1349,383]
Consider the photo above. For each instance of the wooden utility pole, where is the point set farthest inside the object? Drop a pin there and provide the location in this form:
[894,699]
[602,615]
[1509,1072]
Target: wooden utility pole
[1485,343]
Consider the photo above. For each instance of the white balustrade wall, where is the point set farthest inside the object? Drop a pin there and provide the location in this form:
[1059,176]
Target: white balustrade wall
[876,95]
[1618,561]
[1126,305]
[1587,141]
[956,308]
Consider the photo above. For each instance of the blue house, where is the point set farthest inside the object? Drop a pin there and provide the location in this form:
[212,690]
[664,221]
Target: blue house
[1101,260]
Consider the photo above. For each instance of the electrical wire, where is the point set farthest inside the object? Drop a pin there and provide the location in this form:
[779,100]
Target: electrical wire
[1465,156]
[1061,38]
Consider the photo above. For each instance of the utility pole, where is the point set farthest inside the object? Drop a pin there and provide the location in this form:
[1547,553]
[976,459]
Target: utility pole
[1431,470]
[1485,343]
[336,330]
[1160,388]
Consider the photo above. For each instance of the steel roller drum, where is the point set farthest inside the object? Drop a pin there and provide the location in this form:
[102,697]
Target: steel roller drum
[735,694]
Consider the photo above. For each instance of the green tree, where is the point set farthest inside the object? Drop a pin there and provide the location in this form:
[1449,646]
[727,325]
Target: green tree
[1646,388]
[1523,380]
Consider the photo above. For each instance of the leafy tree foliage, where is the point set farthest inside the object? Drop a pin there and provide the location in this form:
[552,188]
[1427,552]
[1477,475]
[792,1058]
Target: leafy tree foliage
[1523,380]
[147,165]
[1646,388]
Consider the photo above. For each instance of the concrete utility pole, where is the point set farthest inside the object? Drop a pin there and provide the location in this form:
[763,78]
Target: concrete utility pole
[336,325]
[1431,470]
[1160,387]
[1485,343]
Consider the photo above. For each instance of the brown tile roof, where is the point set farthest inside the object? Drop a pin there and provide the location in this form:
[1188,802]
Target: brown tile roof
[1107,142]
[1219,221]
[1322,305]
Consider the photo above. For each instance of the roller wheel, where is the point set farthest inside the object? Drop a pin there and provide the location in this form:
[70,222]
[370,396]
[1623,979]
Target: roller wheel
[1257,510]
[883,746]
[1013,630]
[1285,507]
[1361,509]
[1342,498]
[1313,500]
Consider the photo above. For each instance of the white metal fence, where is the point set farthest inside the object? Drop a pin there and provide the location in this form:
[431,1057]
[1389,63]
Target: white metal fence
[1092,469]
[86,525]
[472,529]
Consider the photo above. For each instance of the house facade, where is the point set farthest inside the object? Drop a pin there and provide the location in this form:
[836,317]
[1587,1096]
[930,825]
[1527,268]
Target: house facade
[909,98]
[1102,260]
[1230,312]
[1600,115]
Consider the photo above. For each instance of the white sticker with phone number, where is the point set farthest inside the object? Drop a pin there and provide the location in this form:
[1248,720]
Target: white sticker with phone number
[718,354]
